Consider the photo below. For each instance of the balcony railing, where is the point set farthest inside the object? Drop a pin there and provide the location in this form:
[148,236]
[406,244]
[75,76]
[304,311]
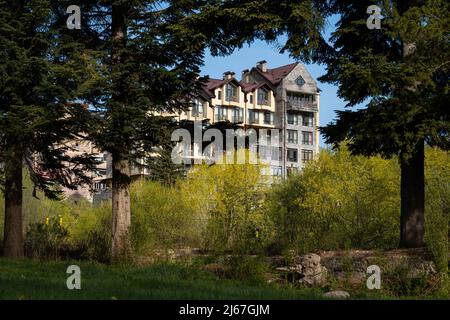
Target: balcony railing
[231,99]
[302,105]
[262,102]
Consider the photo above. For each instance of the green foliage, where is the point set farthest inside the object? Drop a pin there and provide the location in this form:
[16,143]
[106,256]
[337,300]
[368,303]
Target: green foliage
[437,215]
[233,196]
[28,279]
[46,240]
[90,231]
[338,201]
[162,218]
[399,72]
[246,268]
[400,283]
[40,77]
[342,201]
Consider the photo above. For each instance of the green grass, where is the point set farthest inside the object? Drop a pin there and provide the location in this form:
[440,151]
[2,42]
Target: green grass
[47,280]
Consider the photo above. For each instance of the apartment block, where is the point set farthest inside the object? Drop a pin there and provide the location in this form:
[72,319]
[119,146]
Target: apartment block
[285,99]
[282,104]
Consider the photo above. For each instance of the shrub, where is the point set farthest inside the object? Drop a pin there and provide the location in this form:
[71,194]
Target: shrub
[161,218]
[46,240]
[246,268]
[233,196]
[437,206]
[338,202]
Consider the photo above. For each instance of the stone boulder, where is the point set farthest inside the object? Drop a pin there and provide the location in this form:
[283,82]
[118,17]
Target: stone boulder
[307,271]
[337,294]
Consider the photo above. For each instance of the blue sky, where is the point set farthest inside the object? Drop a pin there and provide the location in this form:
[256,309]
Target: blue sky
[249,55]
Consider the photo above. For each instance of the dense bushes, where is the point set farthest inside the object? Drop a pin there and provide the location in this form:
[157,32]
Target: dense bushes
[234,197]
[341,201]
[162,218]
[336,202]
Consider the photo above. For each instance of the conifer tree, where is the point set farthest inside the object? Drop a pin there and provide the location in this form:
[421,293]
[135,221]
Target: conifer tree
[401,74]
[149,66]
[40,76]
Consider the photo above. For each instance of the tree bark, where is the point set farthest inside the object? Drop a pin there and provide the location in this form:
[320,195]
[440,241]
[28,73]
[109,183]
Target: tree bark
[13,229]
[121,208]
[412,218]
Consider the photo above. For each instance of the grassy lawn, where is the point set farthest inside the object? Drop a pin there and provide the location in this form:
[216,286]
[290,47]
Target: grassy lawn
[47,280]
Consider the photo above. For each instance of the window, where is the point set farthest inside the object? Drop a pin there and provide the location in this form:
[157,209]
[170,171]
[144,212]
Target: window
[277,171]
[265,137]
[231,93]
[263,152]
[292,155]
[307,155]
[251,99]
[238,115]
[292,136]
[219,95]
[253,116]
[99,186]
[292,118]
[197,109]
[221,113]
[300,81]
[268,118]
[277,153]
[308,119]
[263,97]
[307,138]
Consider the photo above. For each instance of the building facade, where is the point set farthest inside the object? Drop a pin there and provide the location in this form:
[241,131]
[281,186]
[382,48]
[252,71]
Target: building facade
[285,99]
[282,103]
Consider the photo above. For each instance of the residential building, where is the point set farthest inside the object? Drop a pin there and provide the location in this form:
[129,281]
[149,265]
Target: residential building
[282,104]
[286,99]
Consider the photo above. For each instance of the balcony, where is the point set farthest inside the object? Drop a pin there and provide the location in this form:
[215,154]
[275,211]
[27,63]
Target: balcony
[232,99]
[301,105]
[263,102]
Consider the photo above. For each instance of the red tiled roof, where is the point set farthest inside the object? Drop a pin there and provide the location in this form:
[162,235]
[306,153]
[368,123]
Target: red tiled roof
[212,84]
[274,76]
[277,74]
[248,87]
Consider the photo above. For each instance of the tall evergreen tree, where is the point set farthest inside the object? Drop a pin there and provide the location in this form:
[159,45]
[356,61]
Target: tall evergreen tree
[149,65]
[39,79]
[401,73]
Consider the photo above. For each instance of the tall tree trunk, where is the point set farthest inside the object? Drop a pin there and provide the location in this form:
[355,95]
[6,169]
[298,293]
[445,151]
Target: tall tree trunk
[13,232]
[121,209]
[412,217]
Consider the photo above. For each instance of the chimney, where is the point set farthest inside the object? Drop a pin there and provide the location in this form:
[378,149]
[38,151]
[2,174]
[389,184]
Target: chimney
[228,75]
[262,65]
[245,76]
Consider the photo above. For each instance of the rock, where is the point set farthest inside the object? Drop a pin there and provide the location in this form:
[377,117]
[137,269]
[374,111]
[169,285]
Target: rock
[312,272]
[307,271]
[337,294]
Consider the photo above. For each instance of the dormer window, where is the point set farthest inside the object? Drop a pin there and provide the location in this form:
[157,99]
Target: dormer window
[231,92]
[300,81]
[197,108]
[263,97]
